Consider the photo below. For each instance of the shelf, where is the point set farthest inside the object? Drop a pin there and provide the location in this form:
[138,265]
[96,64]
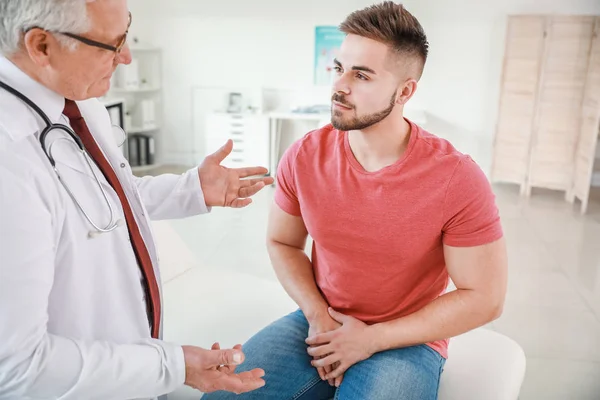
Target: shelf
[299,116]
[108,102]
[147,49]
[145,168]
[141,129]
[140,90]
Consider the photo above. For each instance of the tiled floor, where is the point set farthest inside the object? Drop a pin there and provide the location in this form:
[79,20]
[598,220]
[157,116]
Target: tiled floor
[552,308]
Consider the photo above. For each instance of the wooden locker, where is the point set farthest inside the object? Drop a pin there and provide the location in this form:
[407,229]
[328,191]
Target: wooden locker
[556,127]
[519,87]
[590,125]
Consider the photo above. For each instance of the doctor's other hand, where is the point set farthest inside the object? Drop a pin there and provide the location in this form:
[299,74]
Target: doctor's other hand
[212,370]
[226,187]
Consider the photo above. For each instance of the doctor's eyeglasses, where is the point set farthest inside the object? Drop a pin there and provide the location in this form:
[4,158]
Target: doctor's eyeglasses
[116,49]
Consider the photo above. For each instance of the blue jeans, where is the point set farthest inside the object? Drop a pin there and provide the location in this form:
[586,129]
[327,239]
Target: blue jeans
[411,373]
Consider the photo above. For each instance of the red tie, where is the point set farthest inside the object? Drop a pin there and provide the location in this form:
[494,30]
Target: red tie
[139,247]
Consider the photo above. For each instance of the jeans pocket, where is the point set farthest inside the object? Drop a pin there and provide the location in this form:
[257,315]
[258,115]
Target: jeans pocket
[433,352]
[440,361]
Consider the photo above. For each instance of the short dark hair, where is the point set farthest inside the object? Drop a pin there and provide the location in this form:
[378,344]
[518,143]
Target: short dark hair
[393,25]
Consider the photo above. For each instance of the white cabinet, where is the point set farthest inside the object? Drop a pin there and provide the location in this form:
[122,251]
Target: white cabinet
[250,135]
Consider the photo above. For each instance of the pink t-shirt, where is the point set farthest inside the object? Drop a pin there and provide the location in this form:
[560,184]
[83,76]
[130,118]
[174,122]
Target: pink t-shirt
[378,236]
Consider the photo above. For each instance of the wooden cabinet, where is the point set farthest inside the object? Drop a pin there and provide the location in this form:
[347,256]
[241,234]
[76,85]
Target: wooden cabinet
[549,104]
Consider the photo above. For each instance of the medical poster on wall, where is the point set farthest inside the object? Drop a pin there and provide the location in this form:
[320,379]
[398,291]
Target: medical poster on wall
[328,40]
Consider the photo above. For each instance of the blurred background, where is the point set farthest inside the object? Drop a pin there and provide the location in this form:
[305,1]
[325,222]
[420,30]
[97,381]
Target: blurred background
[514,83]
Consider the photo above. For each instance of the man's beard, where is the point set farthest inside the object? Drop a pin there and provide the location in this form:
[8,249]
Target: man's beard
[358,123]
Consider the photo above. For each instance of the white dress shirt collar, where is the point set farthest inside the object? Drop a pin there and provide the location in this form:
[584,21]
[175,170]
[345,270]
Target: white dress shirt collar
[17,118]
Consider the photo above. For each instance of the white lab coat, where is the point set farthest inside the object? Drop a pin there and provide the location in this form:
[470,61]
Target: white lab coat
[73,322]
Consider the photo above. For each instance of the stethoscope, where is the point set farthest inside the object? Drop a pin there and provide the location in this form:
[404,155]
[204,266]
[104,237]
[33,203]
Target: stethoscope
[114,222]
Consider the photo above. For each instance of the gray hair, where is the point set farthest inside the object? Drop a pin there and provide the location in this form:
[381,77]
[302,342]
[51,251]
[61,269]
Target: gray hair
[16,16]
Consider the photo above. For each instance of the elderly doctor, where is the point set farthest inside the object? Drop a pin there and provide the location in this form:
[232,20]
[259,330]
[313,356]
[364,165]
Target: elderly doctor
[80,307]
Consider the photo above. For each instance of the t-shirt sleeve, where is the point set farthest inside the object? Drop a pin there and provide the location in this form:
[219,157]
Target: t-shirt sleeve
[471,217]
[286,196]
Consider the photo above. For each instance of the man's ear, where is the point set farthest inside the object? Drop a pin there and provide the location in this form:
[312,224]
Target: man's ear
[406,91]
[38,43]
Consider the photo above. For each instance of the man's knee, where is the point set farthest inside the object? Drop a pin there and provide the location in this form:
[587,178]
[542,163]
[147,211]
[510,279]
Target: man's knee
[280,350]
[278,344]
[406,374]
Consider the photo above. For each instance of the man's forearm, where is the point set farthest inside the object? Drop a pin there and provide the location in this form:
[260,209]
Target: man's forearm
[295,272]
[449,315]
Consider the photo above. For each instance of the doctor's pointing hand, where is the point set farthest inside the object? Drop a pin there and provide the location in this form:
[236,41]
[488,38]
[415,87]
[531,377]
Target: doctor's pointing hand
[80,294]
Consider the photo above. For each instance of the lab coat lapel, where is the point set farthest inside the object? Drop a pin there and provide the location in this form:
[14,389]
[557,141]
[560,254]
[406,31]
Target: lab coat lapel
[101,128]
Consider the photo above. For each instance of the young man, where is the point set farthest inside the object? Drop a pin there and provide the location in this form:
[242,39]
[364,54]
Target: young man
[394,211]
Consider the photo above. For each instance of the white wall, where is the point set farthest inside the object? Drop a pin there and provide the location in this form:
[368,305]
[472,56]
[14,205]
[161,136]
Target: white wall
[231,43]
[270,43]
[461,83]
